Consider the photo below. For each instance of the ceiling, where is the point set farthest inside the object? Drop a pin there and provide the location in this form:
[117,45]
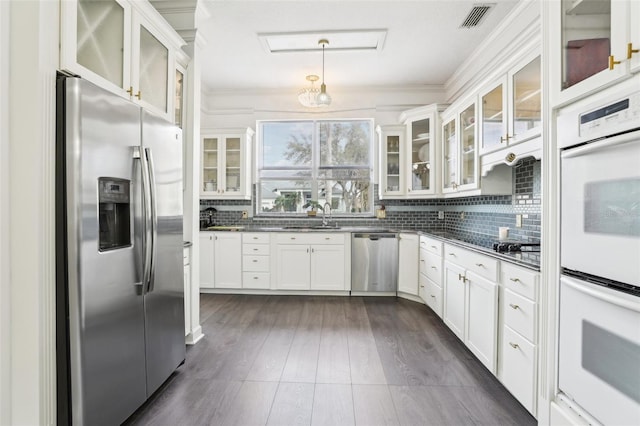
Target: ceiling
[423,45]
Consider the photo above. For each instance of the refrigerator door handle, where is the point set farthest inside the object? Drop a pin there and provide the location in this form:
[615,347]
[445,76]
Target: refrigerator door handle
[154,216]
[146,205]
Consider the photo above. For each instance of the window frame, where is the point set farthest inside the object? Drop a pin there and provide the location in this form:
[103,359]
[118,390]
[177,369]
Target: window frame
[315,168]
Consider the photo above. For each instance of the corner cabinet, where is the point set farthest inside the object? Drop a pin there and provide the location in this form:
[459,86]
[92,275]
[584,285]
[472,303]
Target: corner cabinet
[593,45]
[125,47]
[226,165]
[409,154]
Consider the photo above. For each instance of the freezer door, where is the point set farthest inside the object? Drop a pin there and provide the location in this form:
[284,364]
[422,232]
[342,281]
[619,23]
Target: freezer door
[164,300]
[106,318]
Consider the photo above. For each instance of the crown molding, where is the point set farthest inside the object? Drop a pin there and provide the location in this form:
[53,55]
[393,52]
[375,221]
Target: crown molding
[412,88]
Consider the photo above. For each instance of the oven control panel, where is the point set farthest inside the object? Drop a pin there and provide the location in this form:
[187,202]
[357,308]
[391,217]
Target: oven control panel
[617,116]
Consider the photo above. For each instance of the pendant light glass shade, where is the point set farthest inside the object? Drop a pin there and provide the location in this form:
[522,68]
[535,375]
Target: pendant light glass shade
[312,96]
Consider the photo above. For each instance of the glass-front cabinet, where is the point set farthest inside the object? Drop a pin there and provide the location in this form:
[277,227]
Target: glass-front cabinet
[123,46]
[599,42]
[392,169]
[226,165]
[419,161]
[460,159]
[511,109]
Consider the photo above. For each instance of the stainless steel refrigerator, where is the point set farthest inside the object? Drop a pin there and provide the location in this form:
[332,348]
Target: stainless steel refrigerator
[120,301]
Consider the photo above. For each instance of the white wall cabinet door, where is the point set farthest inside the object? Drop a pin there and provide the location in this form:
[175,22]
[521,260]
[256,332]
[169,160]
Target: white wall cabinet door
[206,260]
[293,267]
[453,313]
[408,255]
[327,267]
[228,260]
[481,328]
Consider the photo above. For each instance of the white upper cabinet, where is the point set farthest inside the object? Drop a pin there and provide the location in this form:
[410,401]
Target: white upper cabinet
[460,157]
[510,110]
[125,47]
[592,45]
[392,167]
[226,165]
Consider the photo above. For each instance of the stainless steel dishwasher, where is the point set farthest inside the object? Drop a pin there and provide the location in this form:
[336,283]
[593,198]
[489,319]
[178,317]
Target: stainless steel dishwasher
[374,262]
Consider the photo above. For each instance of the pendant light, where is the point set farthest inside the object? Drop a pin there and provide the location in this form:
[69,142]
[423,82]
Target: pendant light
[309,95]
[323,98]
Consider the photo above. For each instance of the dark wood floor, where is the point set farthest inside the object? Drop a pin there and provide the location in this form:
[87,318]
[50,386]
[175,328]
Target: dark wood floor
[296,360]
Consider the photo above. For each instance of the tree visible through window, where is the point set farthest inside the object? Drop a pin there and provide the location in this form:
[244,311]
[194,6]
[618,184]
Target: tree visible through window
[322,161]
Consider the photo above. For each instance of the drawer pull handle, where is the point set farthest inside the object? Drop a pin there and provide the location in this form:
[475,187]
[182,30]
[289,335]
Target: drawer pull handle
[255,278]
[293,238]
[515,280]
[255,260]
[433,296]
[514,306]
[421,286]
[255,238]
[433,267]
[255,249]
[514,345]
[479,265]
[452,254]
[327,238]
[434,247]
[421,260]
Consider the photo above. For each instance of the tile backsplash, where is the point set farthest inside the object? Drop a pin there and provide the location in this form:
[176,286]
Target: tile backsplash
[464,215]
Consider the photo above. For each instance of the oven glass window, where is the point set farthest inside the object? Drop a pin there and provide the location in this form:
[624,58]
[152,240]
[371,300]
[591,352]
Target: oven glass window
[611,358]
[612,207]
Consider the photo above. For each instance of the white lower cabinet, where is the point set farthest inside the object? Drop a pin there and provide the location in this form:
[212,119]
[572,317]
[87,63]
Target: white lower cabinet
[481,327]
[311,262]
[408,255]
[518,347]
[434,297]
[186,255]
[206,260]
[256,260]
[227,260]
[431,273]
[471,302]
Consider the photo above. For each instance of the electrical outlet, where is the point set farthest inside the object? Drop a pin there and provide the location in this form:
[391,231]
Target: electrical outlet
[440,214]
[518,221]
[245,214]
[462,215]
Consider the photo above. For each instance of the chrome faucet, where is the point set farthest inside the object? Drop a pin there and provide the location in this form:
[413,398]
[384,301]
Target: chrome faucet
[324,220]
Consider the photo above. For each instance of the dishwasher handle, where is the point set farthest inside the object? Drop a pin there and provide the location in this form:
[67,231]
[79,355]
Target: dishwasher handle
[374,236]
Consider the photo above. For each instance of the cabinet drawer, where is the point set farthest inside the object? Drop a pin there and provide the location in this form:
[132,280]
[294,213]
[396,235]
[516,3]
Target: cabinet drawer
[255,263]
[309,238]
[422,266]
[431,245]
[256,237]
[434,268]
[434,297]
[520,314]
[518,367]
[520,280]
[255,249]
[484,266]
[256,280]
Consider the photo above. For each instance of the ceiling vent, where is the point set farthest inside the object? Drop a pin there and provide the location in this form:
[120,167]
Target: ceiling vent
[475,16]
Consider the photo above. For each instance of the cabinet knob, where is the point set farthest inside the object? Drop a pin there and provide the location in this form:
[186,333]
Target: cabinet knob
[515,280]
[255,249]
[434,247]
[433,296]
[255,278]
[255,238]
[612,62]
[514,345]
[421,286]
[421,260]
[255,261]
[452,254]
[433,267]
[631,50]
[514,306]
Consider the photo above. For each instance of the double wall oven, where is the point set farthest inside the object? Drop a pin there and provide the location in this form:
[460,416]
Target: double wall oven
[599,311]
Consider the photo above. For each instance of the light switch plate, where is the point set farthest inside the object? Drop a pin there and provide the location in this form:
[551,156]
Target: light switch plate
[518,221]
[440,214]
[245,214]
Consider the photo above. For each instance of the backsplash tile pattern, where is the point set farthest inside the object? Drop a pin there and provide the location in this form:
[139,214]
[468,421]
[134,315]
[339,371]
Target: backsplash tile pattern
[473,217]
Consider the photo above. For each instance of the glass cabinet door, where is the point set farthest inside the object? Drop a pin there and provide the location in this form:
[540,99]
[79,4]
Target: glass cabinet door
[178,107]
[100,43]
[153,71]
[450,155]
[586,38]
[493,118]
[420,161]
[232,163]
[526,115]
[468,146]
[210,148]
[393,163]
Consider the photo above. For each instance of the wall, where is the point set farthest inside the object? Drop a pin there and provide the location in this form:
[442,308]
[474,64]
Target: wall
[481,219]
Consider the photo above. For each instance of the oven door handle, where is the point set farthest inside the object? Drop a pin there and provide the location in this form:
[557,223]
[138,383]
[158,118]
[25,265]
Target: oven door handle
[605,296]
[600,145]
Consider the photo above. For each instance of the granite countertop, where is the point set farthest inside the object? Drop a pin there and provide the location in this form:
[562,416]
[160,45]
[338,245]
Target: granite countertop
[481,243]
